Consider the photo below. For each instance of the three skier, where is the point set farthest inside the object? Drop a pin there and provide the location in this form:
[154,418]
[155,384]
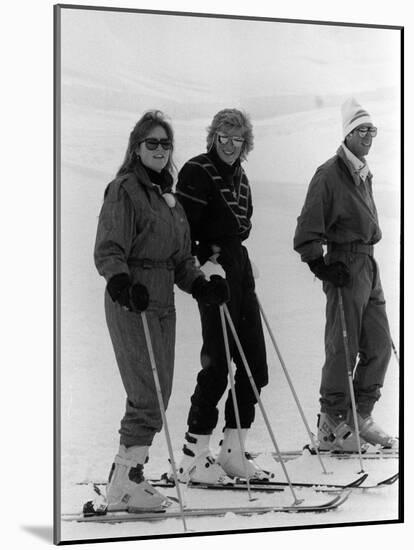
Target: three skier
[147,241]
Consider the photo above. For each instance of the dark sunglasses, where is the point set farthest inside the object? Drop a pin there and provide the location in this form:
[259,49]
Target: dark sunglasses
[151,143]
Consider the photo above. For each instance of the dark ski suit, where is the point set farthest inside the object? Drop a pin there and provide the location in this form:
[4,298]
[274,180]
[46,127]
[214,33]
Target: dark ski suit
[339,211]
[218,204]
[139,234]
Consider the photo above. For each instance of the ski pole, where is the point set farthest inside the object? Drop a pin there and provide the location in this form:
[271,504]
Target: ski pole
[285,370]
[350,375]
[260,403]
[394,349]
[233,394]
[163,415]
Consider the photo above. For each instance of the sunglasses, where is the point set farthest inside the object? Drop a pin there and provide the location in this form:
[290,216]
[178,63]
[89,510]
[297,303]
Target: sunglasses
[364,130]
[236,141]
[151,143]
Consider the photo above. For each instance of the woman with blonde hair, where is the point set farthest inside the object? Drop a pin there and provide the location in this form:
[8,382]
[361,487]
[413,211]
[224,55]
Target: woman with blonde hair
[216,195]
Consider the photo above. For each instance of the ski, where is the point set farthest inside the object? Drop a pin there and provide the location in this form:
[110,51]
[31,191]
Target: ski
[121,517]
[370,453]
[240,484]
[381,484]
[268,486]
[273,486]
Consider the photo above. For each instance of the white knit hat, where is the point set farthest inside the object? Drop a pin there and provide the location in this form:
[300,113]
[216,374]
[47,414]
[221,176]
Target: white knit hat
[353,115]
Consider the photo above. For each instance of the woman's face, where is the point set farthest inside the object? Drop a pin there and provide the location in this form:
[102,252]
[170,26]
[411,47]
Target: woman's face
[229,142]
[155,150]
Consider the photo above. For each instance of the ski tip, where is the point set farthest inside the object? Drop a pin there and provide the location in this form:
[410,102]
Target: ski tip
[389,480]
[343,497]
[339,500]
[357,482]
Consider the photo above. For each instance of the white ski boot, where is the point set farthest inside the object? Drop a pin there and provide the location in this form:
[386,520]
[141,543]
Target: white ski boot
[233,462]
[335,434]
[374,434]
[198,464]
[127,488]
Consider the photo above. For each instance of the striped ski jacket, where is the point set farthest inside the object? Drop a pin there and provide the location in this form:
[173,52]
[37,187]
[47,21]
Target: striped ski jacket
[217,201]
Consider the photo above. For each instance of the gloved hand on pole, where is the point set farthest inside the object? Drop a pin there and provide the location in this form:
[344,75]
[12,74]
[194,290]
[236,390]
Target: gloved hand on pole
[336,273]
[131,297]
[213,292]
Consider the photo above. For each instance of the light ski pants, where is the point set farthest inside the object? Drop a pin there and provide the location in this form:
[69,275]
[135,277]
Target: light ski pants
[368,337]
[142,419]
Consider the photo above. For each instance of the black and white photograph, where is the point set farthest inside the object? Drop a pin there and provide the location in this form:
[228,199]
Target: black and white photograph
[228,215]
[225,277]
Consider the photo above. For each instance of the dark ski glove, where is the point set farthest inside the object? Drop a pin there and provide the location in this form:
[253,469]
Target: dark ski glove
[336,273]
[131,297]
[213,292]
[203,252]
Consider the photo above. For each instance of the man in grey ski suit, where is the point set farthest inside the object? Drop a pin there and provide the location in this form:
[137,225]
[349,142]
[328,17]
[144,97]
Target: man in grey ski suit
[340,212]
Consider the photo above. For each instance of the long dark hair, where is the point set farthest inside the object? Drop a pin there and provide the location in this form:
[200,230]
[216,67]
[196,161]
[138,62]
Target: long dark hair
[142,128]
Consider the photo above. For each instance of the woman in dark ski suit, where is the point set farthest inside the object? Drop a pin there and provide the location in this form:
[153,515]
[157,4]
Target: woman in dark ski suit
[142,249]
[216,195]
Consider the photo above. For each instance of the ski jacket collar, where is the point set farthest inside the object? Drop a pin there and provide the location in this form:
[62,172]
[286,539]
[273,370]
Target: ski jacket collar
[149,178]
[359,170]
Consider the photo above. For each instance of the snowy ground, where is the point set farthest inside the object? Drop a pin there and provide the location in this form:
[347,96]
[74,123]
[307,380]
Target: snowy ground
[367,506]
[92,394]
[288,148]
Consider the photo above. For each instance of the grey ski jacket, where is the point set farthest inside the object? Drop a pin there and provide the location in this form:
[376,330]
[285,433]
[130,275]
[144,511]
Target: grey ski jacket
[139,234]
[339,208]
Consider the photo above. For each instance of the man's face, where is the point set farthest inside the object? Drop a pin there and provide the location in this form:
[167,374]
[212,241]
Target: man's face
[359,141]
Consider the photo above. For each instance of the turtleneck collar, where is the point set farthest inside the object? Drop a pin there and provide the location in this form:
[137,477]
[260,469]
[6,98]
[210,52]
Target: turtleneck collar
[223,167]
[163,179]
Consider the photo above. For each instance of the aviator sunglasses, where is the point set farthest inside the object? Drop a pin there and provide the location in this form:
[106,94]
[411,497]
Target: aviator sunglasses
[236,140]
[151,143]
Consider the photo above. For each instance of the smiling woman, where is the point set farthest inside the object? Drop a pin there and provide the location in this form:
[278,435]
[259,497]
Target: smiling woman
[154,151]
[215,193]
[142,249]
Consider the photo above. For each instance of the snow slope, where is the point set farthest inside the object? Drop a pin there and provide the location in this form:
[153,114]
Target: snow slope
[92,394]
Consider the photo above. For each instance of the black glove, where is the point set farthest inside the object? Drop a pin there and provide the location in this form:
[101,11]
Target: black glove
[133,298]
[213,292]
[336,273]
[203,252]
[139,297]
